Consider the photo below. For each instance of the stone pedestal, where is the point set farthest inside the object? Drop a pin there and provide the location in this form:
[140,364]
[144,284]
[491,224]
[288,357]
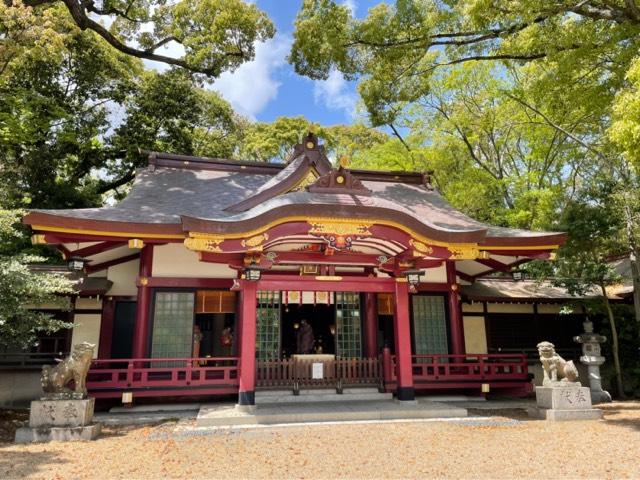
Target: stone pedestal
[62,420]
[565,402]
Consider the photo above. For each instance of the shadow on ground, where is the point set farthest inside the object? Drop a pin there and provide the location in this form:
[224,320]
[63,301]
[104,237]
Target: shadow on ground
[23,463]
[519,414]
[622,414]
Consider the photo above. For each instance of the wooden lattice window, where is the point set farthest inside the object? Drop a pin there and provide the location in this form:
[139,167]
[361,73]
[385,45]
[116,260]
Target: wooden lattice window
[172,325]
[385,304]
[268,326]
[348,325]
[215,301]
[429,324]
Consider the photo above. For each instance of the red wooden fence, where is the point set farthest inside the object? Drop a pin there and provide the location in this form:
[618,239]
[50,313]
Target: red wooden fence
[163,376]
[470,371]
[336,373]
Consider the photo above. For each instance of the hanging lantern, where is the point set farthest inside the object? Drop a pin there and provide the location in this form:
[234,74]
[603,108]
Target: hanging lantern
[76,264]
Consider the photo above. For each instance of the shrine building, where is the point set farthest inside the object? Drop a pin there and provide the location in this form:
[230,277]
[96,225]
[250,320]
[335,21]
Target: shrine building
[229,277]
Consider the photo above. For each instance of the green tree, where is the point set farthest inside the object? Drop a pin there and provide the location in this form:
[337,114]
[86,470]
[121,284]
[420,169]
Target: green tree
[397,49]
[274,141]
[583,263]
[165,112]
[54,109]
[212,36]
[21,289]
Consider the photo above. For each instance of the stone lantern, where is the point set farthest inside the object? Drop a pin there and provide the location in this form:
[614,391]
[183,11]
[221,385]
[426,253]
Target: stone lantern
[592,358]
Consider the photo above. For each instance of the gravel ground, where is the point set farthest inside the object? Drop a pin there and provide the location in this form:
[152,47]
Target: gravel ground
[508,445]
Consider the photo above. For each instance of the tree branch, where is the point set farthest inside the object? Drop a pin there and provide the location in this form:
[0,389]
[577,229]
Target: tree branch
[105,187]
[397,134]
[80,17]
[557,127]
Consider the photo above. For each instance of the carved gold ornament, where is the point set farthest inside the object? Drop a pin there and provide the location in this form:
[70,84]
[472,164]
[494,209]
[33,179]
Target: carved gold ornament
[467,252]
[340,228]
[309,179]
[206,244]
[38,239]
[255,241]
[421,247]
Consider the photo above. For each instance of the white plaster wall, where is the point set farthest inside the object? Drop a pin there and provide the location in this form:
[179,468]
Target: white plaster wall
[18,387]
[124,277]
[175,260]
[88,303]
[86,328]
[435,275]
[552,308]
[473,307]
[475,336]
[510,307]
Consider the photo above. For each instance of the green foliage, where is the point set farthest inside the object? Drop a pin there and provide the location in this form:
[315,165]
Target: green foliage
[274,141]
[166,112]
[396,50]
[52,115]
[21,288]
[211,36]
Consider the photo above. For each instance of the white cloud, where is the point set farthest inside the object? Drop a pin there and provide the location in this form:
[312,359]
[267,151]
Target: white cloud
[352,5]
[335,93]
[254,84]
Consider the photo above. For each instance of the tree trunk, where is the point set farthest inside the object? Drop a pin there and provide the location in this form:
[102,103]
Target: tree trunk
[635,275]
[633,259]
[614,341]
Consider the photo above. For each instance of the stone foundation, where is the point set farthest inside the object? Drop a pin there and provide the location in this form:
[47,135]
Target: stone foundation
[60,434]
[61,413]
[61,420]
[559,403]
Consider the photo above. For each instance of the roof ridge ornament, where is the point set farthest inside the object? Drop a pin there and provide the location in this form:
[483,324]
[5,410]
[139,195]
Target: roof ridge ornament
[314,151]
[339,180]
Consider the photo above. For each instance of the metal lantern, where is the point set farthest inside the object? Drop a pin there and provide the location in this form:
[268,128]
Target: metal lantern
[413,277]
[517,275]
[252,274]
[76,264]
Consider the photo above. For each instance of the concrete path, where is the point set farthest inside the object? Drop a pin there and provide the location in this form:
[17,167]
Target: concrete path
[223,415]
[226,414]
[143,418]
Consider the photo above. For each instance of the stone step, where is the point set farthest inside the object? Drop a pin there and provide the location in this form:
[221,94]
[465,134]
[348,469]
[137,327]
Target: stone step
[225,415]
[290,398]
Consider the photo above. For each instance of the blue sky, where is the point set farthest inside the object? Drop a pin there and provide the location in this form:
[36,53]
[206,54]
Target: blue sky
[268,87]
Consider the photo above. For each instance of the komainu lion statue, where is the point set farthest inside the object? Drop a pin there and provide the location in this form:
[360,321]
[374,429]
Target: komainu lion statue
[55,379]
[556,369]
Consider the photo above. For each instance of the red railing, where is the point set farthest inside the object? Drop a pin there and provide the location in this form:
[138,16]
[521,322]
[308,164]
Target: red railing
[336,373]
[163,376]
[465,371]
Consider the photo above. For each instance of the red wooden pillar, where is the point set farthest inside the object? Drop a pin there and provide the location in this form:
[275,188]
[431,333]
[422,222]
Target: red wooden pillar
[403,342]
[455,314]
[106,327]
[247,395]
[371,325]
[141,331]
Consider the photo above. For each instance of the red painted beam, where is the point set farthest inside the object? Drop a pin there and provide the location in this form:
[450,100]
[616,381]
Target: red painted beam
[494,264]
[181,282]
[455,311]
[247,390]
[111,263]
[56,238]
[402,333]
[95,249]
[141,329]
[343,284]
[510,266]
[466,277]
